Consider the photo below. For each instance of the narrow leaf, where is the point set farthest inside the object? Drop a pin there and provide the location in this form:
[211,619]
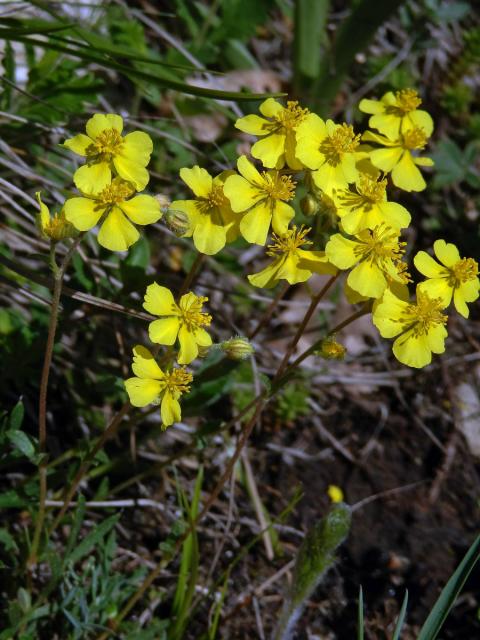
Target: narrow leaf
[447,598]
[93,538]
[401,618]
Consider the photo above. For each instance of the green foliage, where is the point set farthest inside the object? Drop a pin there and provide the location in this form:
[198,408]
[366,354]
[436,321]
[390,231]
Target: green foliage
[292,402]
[315,556]
[454,165]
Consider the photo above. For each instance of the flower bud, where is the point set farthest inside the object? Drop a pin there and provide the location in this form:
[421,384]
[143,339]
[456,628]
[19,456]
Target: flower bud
[163,201]
[54,227]
[237,348]
[177,221]
[330,349]
[335,493]
[309,205]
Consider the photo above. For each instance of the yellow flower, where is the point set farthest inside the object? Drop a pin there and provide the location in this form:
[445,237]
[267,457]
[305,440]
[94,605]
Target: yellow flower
[114,205]
[376,257]
[291,263]
[455,277]
[264,196]
[399,158]
[211,220]
[277,129]
[397,112]
[104,148]
[367,206]
[184,321]
[151,384]
[335,493]
[420,327]
[330,150]
[54,227]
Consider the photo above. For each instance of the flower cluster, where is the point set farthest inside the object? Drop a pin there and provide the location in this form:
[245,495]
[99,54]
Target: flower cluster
[347,175]
[184,323]
[113,173]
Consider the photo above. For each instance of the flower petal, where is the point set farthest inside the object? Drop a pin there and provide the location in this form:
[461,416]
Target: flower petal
[241,193]
[78,144]
[202,337]
[142,392]
[282,215]
[252,124]
[82,213]
[164,331]
[412,350]
[394,215]
[100,121]
[92,178]
[341,252]
[446,252]
[437,288]
[116,232]
[209,235]
[371,106]
[367,279]
[131,171]
[405,174]
[428,266]
[421,119]
[268,277]
[159,301]
[198,179]
[170,409]
[142,209]
[271,108]
[386,159]
[188,346]
[270,150]
[144,364]
[388,313]
[255,224]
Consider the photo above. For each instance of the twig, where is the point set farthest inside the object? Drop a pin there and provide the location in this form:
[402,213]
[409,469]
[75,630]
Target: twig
[197,263]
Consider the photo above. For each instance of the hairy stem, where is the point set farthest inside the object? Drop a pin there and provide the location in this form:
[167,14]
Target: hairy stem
[197,263]
[58,273]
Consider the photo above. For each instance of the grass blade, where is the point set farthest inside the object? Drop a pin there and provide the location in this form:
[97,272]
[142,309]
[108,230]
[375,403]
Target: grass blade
[361,624]
[447,598]
[401,618]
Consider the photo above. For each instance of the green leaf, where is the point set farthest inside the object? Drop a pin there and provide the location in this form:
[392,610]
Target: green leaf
[361,623]
[16,416]
[447,598]
[7,540]
[11,499]
[315,556]
[401,618]
[22,443]
[94,538]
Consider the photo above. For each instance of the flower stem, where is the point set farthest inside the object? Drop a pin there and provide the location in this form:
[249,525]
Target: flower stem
[269,310]
[197,263]
[58,275]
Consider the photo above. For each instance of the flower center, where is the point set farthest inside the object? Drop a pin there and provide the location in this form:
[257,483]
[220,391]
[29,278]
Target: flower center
[290,241]
[216,198]
[117,191]
[192,315]
[407,100]
[342,140]
[291,116]
[106,144]
[427,312]
[372,190]
[278,187]
[464,270]
[414,138]
[381,247]
[177,381]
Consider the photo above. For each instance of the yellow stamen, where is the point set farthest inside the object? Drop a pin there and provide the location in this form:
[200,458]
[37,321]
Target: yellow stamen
[177,381]
[291,116]
[427,312]
[464,270]
[216,198]
[290,241]
[342,140]
[118,191]
[381,247]
[278,187]
[191,313]
[414,138]
[369,192]
[407,100]
[106,144]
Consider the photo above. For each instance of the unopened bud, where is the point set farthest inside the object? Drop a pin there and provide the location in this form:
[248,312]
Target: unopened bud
[54,227]
[330,349]
[178,221]
[163,201]
[309,205]
[237,348]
